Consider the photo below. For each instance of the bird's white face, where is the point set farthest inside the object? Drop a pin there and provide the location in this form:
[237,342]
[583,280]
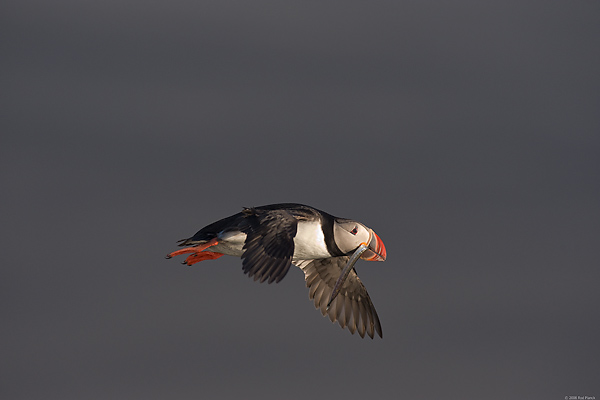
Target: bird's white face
[349,235]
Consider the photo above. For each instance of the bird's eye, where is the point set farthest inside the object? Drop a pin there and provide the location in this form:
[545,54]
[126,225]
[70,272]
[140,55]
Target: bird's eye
[354,231]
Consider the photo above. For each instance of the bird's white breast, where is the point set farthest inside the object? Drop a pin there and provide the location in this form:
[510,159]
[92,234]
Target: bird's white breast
[309,242]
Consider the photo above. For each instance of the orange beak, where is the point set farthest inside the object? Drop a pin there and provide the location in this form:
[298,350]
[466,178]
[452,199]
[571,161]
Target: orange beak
[376,251]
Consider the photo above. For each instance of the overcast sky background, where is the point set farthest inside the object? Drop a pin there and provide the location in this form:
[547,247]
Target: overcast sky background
[466,134]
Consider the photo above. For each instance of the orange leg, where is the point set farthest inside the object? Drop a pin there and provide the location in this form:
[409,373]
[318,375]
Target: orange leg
[202,256]
[194,249]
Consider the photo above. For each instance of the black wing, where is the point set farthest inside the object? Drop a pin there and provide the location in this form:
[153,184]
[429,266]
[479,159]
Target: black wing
[269,243]
[352,307]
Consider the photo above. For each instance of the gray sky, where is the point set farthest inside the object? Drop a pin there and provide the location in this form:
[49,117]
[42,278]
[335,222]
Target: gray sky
[465,133]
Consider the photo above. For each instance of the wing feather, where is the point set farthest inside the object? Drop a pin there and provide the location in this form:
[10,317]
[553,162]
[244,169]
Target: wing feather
[269,244]
[352,308]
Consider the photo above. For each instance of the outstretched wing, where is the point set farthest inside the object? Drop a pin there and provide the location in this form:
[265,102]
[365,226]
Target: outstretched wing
[352,307]
[269,243]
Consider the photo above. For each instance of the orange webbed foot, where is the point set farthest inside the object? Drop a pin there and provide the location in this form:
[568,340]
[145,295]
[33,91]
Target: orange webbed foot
[202,256]
[193,249]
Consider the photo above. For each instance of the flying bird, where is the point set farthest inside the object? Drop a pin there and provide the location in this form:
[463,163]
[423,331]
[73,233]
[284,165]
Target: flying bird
[271,238]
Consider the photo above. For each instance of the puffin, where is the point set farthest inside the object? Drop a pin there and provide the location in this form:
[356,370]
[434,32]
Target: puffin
[269,239]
